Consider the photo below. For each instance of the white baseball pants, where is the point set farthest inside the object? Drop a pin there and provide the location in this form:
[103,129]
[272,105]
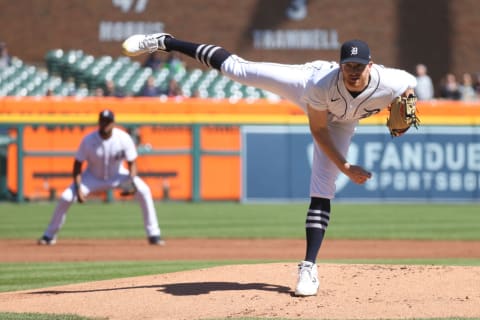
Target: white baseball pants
[92,184]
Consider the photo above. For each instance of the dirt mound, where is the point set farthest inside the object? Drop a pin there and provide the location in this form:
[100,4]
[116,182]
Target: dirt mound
[265,290]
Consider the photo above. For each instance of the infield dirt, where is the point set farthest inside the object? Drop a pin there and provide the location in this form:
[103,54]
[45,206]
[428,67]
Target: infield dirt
[348,291]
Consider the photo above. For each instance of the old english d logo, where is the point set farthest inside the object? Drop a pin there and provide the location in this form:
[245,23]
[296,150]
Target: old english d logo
[354,51]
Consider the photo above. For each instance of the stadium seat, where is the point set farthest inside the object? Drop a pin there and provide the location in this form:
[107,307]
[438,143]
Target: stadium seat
[68,62]
[74,73]
[80,67]
[53,60]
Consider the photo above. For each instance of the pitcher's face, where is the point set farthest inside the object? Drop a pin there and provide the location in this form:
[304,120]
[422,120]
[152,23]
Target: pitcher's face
[356,75]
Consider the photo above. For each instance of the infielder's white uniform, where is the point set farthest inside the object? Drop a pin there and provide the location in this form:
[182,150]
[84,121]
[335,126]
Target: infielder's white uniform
[105,171]
[320,84]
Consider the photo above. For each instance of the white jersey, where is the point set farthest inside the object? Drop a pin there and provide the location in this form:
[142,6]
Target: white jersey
[320,84]
[105,157]
[325,90]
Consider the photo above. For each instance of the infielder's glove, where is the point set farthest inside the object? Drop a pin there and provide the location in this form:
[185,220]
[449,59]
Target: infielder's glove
[128,188]
[403,115]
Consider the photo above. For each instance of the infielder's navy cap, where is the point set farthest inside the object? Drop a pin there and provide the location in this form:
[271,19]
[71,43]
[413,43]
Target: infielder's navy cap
[106,115]
[355,51]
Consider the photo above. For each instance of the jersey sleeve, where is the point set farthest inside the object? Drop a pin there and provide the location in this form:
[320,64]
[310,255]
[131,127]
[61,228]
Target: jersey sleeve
[318,86]
[81,154]
[315,97]
[130,149]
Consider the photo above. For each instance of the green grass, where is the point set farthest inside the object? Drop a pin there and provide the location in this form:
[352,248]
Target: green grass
[25,276]
[234,220]
[216,220]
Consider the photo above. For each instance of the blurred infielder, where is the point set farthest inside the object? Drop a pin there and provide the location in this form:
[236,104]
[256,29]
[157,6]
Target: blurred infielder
[334,97]
[105,150]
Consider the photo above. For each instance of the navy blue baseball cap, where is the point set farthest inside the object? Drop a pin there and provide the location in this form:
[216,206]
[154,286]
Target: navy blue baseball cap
[355,51]
[106,115]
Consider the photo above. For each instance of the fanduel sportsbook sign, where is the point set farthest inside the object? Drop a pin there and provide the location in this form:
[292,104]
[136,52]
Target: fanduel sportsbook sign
[432,164]
[436,163]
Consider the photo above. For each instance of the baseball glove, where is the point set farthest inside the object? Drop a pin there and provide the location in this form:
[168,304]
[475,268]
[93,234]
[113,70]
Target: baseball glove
[403,115]
[128,188]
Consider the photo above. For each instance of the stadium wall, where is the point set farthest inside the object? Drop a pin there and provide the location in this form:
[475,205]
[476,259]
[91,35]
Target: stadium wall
[203,142]
[399,32]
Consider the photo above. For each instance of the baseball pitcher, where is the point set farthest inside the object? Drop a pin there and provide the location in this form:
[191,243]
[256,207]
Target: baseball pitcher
[334,96]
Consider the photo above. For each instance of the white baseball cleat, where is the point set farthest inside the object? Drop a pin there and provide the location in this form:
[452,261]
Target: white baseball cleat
[46,241]
[156,241]
[307,284]
[144,43]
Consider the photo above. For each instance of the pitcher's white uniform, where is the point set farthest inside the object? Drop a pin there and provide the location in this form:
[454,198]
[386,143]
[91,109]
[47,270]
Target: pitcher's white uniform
[105,170]
[320,85]
[333,96]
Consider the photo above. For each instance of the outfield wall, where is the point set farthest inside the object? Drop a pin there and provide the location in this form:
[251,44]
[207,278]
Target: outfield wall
[250,151]
[435,163]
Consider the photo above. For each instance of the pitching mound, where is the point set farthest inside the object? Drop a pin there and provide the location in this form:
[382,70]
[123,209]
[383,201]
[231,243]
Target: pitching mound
[347,292]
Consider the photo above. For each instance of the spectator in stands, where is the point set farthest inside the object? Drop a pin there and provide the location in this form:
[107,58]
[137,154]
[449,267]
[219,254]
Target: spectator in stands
[150,89]
[99,92]
[173,89]
[450,88]
[5,58]
[466,88]
[69,87]
[476,85]
[424,88]
[196,94]
[111,90]
[82,91]
[154,61]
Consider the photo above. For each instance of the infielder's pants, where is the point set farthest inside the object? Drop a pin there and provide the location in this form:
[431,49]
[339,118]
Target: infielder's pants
[288,82]
[93,184]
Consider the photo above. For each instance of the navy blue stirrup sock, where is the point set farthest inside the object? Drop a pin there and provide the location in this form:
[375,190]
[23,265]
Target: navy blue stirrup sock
[316,224]
[209,55]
